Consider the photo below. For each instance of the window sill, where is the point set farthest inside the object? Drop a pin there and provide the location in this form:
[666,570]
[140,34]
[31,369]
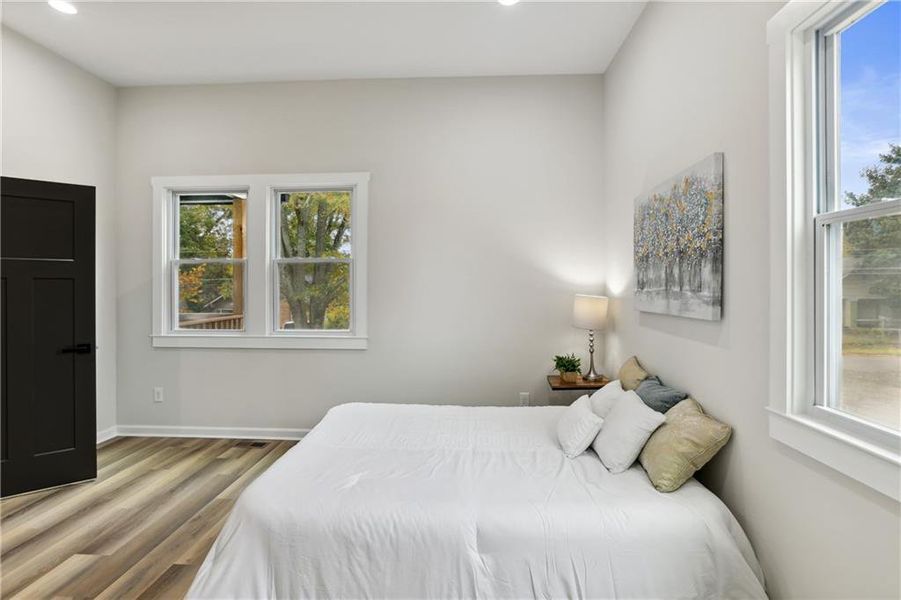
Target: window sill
[322,342]
[872,465]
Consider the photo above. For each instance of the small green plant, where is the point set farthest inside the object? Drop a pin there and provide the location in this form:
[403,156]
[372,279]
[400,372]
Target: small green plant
[567,363]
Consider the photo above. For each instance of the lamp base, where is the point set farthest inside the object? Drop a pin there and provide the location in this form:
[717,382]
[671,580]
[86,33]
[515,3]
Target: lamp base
[591,375]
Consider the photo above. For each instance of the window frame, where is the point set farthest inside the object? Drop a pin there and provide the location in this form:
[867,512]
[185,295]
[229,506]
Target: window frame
[804,193]
[260,282]
[276,259]
[176,260]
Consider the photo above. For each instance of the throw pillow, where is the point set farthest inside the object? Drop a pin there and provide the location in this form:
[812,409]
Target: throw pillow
[684,444]
[631,374]
[577,427]
[627,427]
[604,399]
[658,396]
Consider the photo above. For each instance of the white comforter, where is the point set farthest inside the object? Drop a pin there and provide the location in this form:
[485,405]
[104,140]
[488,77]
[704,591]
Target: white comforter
[410,501]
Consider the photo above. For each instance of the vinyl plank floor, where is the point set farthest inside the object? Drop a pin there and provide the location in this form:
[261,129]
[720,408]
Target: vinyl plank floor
[140,530]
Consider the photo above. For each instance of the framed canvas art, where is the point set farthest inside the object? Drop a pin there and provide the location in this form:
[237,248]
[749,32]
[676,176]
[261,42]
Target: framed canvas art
[678,244]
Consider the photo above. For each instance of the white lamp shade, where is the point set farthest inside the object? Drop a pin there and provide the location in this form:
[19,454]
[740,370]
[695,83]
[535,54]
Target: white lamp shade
[589,312]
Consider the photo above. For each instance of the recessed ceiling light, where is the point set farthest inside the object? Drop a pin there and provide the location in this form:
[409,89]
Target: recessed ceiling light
[508,2]
[63,6]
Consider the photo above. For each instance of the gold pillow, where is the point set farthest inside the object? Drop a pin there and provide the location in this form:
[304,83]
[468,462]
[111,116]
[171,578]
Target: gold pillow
[682,445]
[631,374]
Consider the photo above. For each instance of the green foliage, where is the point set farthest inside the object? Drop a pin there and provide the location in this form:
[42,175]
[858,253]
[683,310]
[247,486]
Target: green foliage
[875,244]
[316,225]
[567,363]
[884,179]
[205,287]
[206,230]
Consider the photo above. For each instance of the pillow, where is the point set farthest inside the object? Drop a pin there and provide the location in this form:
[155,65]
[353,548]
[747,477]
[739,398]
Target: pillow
[631,374]
[577,427]
[684,444]
[658,396]
[627,427]
[604,399]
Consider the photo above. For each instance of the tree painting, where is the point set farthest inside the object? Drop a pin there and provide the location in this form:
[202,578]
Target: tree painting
[678,244]
[315,227]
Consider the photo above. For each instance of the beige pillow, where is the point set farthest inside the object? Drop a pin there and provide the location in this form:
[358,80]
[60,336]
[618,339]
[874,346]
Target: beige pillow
[682,445]
[631,374]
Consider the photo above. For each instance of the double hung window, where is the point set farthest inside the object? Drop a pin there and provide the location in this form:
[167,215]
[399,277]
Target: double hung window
[270,261]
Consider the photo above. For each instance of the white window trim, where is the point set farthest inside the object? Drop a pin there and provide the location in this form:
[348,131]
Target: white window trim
[259,318]
[835,439]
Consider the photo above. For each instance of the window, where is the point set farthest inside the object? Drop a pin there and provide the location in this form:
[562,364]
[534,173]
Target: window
[208,262]
[314,260]
[858,220]
[260,261]
[836,236]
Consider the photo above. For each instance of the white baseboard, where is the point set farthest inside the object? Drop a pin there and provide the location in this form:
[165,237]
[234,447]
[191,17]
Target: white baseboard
[107,434]
[243,433]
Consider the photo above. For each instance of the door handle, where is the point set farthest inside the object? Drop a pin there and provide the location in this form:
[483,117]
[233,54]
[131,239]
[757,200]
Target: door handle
[77,349]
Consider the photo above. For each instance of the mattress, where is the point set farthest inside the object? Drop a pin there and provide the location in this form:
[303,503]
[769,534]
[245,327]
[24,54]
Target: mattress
[412,501]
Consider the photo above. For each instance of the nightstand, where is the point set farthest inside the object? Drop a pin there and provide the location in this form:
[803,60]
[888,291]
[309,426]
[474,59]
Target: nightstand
[558,385]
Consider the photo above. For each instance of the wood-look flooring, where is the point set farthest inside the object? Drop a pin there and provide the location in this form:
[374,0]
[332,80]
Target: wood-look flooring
[140,530]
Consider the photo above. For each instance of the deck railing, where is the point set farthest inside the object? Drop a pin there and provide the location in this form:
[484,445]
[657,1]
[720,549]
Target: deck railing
[220,322]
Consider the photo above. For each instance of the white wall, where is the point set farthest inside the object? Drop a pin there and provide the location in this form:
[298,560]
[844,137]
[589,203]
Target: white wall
[59,124]
[483,199]
[691,80]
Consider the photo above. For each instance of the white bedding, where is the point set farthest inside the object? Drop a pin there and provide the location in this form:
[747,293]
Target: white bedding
[411,501]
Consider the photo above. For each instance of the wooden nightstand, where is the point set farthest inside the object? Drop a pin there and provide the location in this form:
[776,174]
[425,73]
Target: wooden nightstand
[557,385]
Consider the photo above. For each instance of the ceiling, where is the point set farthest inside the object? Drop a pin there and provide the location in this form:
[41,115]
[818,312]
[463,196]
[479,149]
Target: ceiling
[160,43]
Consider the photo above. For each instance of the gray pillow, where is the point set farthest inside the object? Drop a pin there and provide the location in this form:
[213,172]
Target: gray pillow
[658,396]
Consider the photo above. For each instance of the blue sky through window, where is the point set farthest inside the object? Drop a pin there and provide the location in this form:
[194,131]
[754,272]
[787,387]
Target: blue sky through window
[870,92]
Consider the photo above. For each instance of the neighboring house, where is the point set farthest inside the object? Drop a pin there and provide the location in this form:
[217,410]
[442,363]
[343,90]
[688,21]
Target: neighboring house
[862,304]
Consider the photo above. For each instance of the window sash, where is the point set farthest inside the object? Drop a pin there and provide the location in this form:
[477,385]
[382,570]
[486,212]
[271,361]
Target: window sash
[277,216]
[827,112]
[828,121]
[276,297]
[174,325]
[175,261]
[175,234]
[278,259]
[828,324]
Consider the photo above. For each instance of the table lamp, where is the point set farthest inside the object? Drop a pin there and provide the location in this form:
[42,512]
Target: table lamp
[590,312]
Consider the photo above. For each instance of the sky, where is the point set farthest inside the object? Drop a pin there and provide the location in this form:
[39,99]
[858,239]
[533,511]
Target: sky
[870,92]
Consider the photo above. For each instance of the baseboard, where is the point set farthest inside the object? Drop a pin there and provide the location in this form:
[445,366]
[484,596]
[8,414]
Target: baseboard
[244,433]
[107,434]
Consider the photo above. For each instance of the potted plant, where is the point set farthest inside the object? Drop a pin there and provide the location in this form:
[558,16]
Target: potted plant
[568,366]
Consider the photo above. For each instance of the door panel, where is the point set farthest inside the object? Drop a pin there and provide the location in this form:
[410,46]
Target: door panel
[49,414]
[4,381]
[54,329]
[23,217]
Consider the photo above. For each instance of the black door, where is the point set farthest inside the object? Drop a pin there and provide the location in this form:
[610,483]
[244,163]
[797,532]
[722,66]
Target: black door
[47,347]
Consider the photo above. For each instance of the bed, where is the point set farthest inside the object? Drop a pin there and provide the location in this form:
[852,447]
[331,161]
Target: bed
[413,501]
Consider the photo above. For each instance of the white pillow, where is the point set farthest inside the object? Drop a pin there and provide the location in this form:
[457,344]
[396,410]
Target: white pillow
[627,427]
[578,427]
[604,399]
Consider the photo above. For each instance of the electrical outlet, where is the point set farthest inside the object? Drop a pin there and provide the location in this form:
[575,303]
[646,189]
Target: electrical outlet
[157,394]
[524,398]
